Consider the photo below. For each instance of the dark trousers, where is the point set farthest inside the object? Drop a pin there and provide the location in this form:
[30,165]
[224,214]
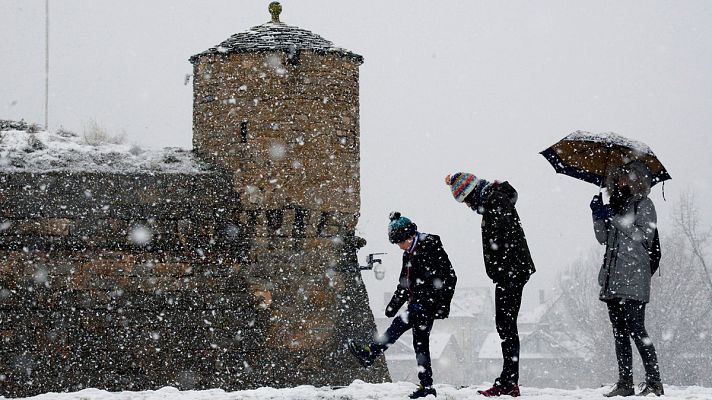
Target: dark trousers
[414,318]
[628,320]
[507,301]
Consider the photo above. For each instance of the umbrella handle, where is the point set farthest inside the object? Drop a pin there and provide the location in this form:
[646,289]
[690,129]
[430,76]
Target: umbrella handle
[605,170]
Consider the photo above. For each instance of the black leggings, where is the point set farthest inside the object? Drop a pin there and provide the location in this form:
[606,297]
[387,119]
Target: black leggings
[507,300]
[417,319]
[628,320]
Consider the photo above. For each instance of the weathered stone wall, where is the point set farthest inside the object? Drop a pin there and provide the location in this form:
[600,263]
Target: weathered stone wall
[288,124]
[137,281]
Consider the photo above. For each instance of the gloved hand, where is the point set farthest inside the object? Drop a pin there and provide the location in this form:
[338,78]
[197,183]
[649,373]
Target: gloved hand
[600,210]
[416,308]
[420,311]
[441,312]
[391,312]
[605,212]
[596,202]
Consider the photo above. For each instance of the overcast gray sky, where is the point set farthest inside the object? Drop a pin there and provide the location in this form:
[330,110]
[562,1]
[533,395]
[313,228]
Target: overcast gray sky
[477,86]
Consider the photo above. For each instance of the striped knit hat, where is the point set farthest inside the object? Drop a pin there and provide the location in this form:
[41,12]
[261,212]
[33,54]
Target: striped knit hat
[462,184]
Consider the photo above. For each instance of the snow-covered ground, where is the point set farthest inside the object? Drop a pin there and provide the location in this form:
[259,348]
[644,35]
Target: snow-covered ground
[358,390]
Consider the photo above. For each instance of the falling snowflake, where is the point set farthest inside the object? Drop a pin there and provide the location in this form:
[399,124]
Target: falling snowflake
[277,151]
[140,235]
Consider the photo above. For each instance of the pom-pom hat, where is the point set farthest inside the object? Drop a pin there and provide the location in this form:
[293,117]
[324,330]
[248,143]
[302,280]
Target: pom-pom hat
[461,184]
[400,228]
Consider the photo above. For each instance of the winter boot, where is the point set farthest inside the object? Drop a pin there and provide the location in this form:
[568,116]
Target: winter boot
[510,391]
[500,389]
[494,391]
[423,391]
[655,388]
[621,389]
[362,352]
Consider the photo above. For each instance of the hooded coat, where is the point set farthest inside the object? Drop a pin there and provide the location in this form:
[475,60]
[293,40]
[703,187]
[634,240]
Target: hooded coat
[427,279]
[505,248]
[625,272]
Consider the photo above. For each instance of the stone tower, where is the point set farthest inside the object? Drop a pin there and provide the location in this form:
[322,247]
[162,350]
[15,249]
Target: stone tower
[279,107]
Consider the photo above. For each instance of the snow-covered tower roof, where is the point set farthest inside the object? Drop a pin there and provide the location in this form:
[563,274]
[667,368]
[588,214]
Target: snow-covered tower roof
[276,35]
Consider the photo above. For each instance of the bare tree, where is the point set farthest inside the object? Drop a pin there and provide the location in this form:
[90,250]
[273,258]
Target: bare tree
[687,221]
[584,318]
[679,312]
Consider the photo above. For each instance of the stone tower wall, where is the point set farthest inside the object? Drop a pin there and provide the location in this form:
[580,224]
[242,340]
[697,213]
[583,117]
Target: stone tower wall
[222,295]
[287,124]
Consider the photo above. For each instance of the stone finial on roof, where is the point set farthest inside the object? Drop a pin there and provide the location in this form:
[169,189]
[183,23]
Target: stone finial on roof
[275,36]
[275,9]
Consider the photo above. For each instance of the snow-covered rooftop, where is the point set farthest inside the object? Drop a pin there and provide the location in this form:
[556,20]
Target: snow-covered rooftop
[42,151]
[403,348]
[277,36]
[535,315]
[469,301]
[552,347]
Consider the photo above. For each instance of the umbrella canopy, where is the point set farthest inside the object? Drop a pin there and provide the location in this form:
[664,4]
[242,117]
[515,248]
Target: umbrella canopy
[590,156]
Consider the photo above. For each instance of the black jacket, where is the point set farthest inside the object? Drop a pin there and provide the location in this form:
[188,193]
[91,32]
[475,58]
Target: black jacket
[427,279]
[507,258]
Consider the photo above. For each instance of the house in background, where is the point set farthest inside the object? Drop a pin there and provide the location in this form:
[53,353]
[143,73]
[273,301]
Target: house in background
[550,356]
[466,349]
[471,319]
[445,353]
[546,359]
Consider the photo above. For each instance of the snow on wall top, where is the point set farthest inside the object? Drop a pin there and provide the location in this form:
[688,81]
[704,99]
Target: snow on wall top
[277,36]
[42,151]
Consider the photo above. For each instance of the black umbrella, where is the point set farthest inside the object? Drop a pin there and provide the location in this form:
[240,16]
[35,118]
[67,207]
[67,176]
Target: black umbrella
[589,156]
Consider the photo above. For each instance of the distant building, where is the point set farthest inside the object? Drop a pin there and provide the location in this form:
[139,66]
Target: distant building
[471,319]
[545,359]
[549,355]
[445,353]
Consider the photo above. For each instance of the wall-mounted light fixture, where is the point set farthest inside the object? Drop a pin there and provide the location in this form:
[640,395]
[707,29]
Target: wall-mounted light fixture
[375,264]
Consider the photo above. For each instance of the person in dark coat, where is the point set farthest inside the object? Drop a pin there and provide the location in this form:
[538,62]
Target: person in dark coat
[507,262]
[427,283]
[627,227]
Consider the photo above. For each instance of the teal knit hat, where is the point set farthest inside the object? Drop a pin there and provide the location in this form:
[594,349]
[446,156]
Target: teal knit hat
[400,228]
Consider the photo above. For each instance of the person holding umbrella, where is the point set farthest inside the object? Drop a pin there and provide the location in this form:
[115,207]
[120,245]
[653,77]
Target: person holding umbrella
[507,262]
[427,283]
[626,226]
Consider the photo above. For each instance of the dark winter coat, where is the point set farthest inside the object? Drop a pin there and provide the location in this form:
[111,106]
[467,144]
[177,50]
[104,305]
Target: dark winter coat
[625,272]
[426,279]
[507,257]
